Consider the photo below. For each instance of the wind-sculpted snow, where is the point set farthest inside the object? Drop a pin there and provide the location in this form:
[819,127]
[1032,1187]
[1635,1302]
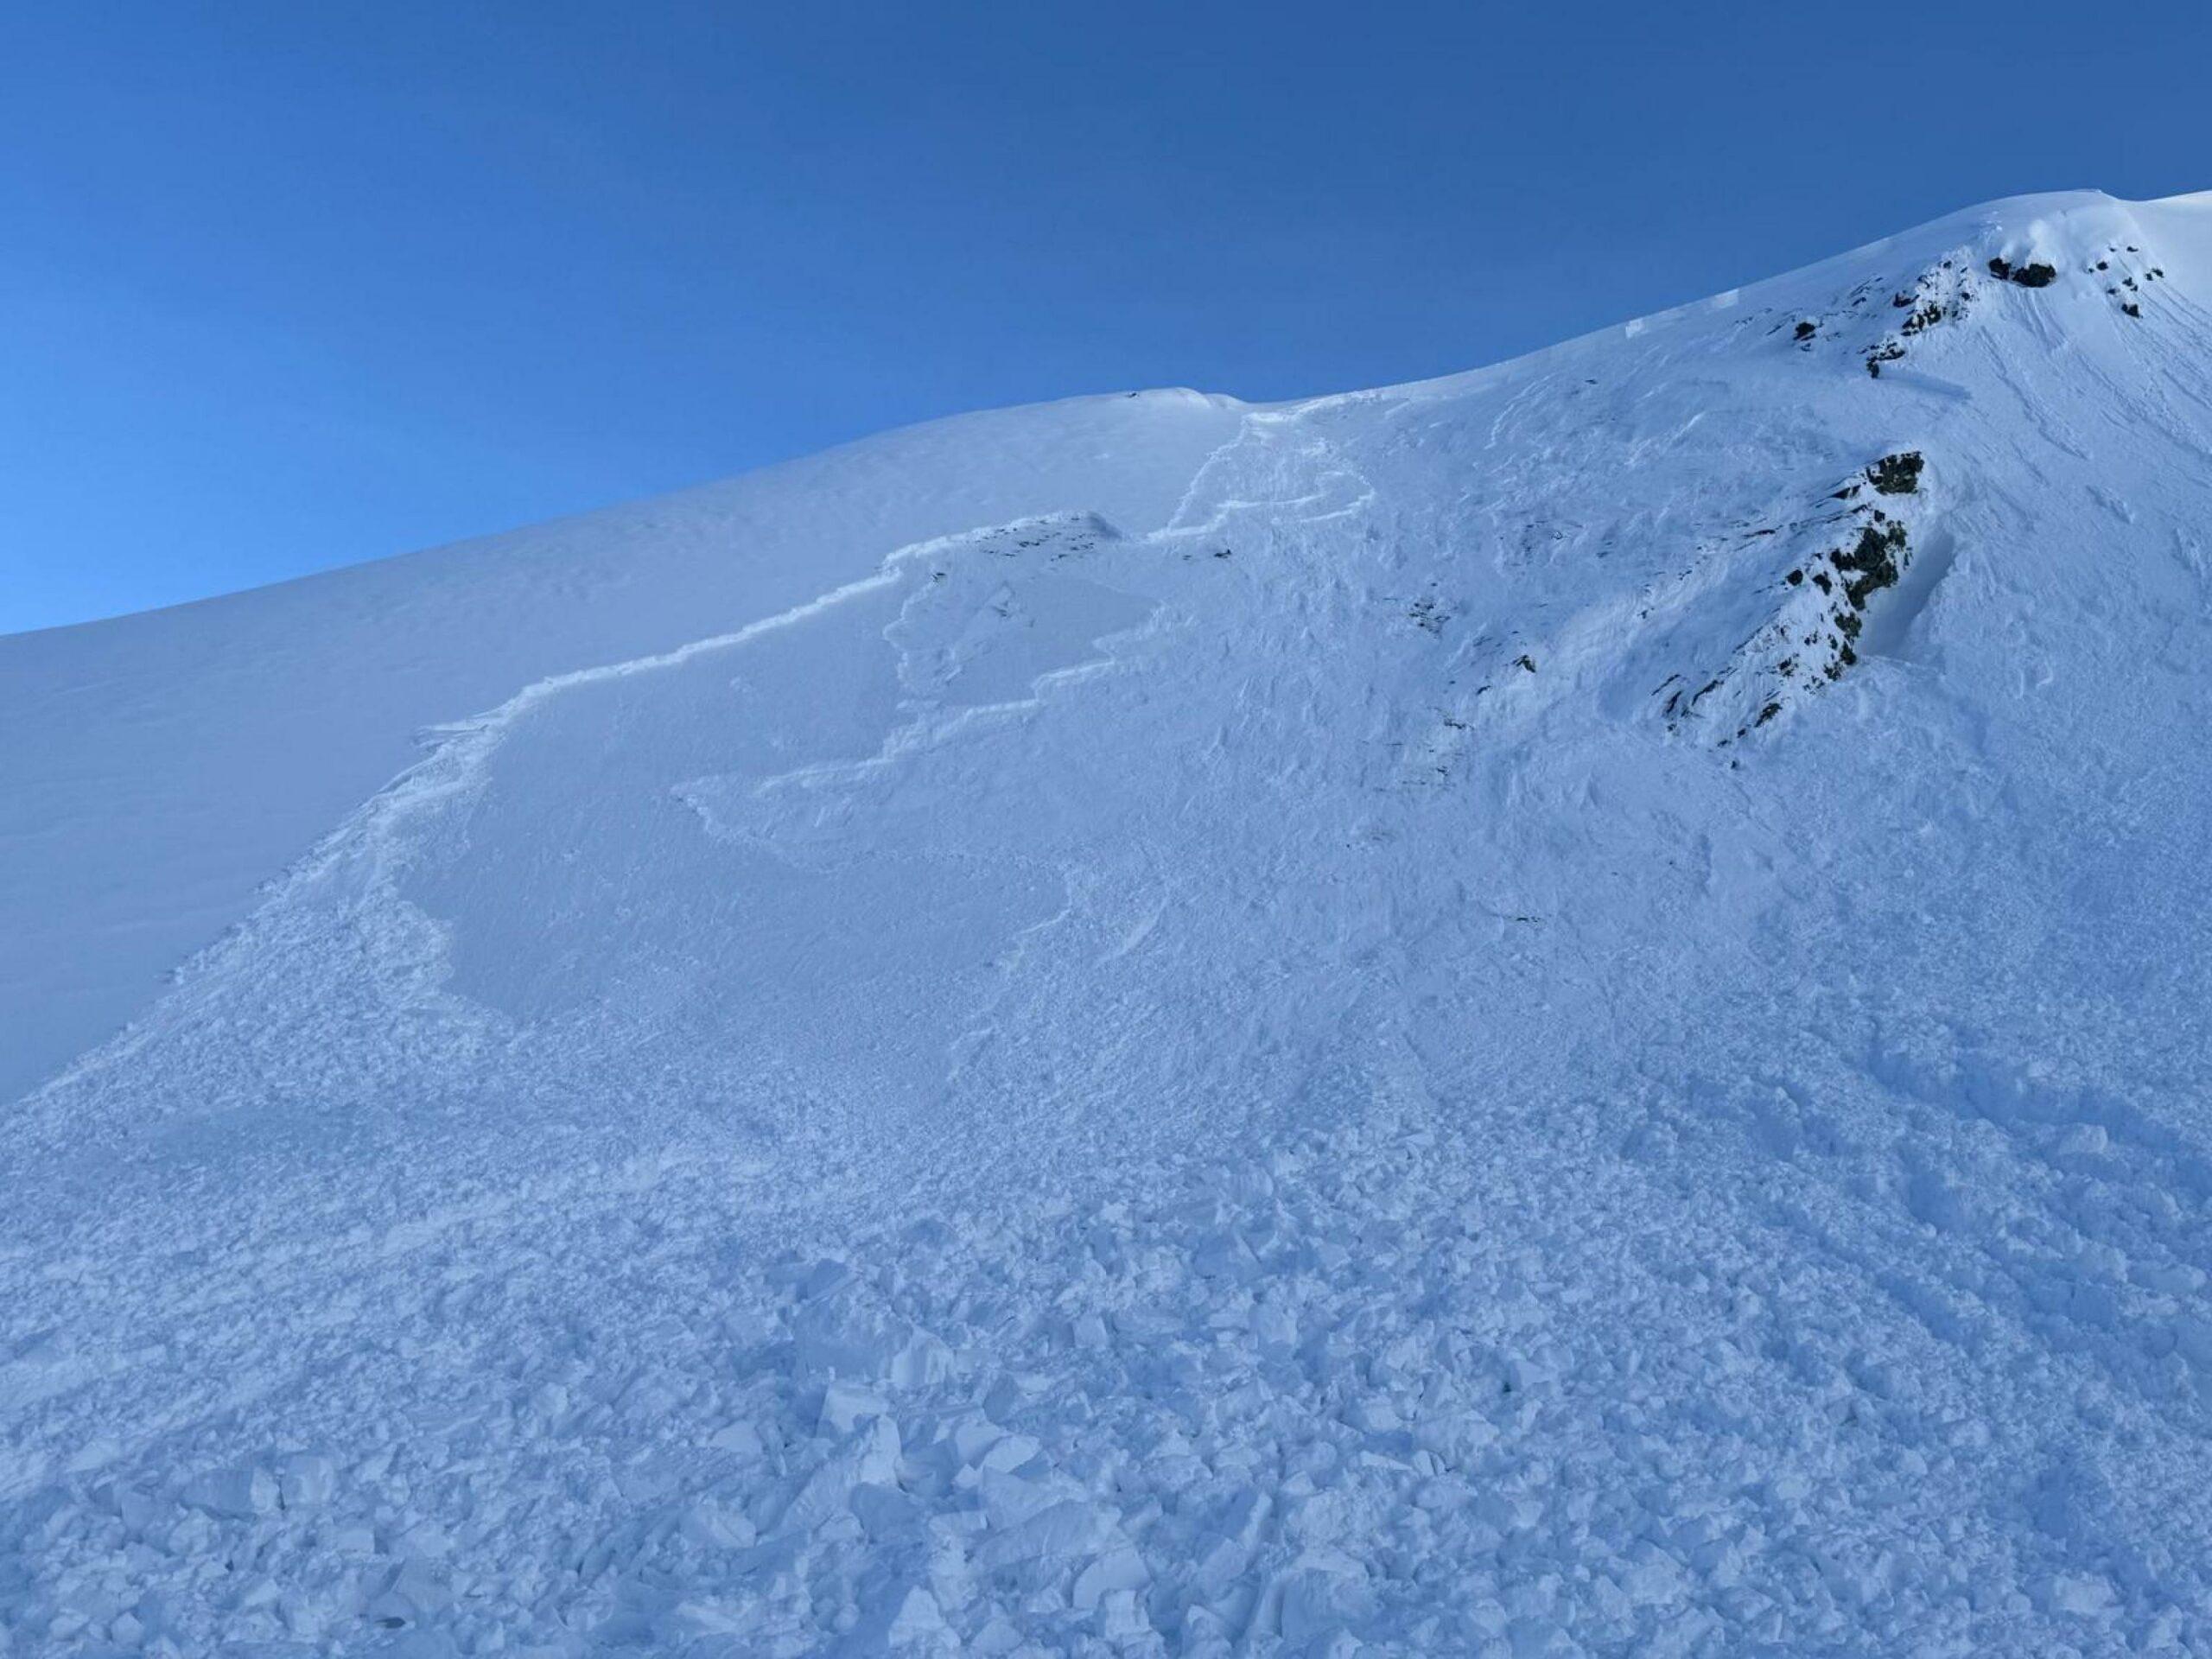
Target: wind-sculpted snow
[1557,1012]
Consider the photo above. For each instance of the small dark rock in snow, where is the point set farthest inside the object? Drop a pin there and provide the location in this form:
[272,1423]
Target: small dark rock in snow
[1898,474]
[2033,274]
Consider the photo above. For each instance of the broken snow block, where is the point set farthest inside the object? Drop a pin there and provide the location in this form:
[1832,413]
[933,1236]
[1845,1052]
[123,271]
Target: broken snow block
[1119,1568]
[836,1339]
[843,1405]
[1065,1531]
[906,1618]
[869,1458]
[241,1494]
[307,1482]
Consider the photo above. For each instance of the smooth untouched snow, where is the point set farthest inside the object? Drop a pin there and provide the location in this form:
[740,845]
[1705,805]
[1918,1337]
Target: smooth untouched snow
[1560,1011]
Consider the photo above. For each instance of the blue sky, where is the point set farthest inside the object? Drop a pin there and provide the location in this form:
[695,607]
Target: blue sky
[286,287]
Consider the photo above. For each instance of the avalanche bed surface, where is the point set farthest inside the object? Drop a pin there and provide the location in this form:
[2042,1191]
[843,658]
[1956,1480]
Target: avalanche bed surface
[1556,1012]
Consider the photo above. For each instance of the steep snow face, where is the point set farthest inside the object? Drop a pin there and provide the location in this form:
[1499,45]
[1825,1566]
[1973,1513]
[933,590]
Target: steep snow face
[1555,1011]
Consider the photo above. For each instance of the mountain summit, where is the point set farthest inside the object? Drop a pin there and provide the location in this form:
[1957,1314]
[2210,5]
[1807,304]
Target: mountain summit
[1558,1011]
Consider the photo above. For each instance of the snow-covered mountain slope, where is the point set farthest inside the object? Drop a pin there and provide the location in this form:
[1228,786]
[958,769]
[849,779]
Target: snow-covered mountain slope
[163,767]
[1559,1011]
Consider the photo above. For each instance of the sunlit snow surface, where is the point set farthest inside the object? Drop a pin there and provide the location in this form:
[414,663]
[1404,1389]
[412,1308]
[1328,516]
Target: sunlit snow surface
[1154,1027]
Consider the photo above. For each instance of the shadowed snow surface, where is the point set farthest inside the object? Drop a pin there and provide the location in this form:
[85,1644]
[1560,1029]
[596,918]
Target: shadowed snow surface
[1546,1013]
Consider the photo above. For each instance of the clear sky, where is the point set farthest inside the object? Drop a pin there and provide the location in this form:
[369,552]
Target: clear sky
[284,287]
